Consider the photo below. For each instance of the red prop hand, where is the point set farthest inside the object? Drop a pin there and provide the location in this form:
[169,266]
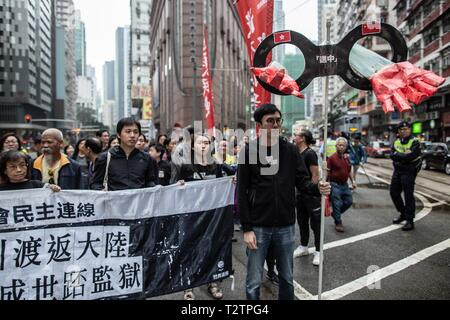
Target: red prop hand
[401,82]
[279,79]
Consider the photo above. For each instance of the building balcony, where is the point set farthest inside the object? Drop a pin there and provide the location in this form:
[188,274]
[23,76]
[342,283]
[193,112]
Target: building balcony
[433,46]
[415,31]
[414,58]
[431,18]
[446,72]
[445,38]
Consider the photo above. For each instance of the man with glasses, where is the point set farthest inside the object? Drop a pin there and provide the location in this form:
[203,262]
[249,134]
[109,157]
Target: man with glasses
[53,166]
[406,154]
[269,170]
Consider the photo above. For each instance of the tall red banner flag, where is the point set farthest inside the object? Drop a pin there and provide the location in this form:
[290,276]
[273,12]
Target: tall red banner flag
[257,22]
[207,86]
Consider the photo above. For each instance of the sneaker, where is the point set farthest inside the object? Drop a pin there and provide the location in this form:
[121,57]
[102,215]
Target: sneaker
[339,228]
[273,277]
[301,251]
[316,260]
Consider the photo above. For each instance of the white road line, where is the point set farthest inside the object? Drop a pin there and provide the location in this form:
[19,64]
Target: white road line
[302,294]
[380,274]
[438,202]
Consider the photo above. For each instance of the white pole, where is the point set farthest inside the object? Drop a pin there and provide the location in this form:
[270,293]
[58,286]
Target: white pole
[324,172]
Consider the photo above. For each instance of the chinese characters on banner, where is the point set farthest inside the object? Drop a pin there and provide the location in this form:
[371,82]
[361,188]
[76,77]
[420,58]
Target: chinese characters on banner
[257,22]
[87,245]
[207,86]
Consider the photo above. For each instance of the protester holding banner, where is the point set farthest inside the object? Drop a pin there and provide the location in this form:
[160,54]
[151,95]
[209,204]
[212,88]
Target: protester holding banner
[125,167]
[201,166]
[163,167]
[15,173]
[308,207]
[269,171]
[54,167]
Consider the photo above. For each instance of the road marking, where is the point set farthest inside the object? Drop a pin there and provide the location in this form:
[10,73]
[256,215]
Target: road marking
[438,202]
[302,294]
[378,275]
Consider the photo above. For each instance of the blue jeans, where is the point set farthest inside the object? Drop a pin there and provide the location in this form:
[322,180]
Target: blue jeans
[342,199]
[283,242]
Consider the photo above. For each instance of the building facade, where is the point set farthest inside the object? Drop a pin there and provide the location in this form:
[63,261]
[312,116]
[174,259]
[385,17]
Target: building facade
[122,74]
[80,44]
[176,43]
[65,64]
[426,25]
[26,69]
[140,53]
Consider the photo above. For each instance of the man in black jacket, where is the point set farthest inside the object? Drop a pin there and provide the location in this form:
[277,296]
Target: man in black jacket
[406,154]
[269,171]
[128,167]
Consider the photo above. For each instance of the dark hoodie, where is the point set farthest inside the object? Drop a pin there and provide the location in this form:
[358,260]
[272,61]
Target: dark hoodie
[136,172]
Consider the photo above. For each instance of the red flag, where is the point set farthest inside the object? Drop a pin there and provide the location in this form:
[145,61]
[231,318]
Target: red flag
[282,37]
[257,23]
[207,86]
[371,28]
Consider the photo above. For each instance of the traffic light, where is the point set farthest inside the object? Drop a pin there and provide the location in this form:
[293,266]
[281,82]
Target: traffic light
[28,118]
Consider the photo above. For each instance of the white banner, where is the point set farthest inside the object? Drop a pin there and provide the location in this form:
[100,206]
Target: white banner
[82,245]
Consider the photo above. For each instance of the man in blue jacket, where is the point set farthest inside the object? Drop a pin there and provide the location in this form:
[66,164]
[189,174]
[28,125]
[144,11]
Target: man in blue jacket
[53,166]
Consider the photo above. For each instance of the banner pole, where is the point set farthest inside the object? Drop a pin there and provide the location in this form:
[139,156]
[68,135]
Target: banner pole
[324,172]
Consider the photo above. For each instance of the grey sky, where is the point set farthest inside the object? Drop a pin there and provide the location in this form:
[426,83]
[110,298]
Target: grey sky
[103,17]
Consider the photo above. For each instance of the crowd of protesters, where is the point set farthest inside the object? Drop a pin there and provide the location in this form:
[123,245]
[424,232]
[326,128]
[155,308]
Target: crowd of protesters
[267,205]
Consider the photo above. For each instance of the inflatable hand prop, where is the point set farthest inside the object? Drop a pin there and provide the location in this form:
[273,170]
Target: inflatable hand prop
[400,82]
[278,78]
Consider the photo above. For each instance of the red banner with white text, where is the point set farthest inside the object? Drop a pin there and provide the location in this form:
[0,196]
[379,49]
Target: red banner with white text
[208,103]
[257,23]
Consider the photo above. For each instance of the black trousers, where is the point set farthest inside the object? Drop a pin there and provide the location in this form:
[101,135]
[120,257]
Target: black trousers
[404,183]
[308,212]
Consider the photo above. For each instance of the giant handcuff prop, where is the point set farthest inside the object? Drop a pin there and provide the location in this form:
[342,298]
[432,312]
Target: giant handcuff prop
[395,81]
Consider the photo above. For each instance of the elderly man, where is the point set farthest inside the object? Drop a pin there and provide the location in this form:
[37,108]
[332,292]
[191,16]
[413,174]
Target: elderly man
[339,168]
[53,166]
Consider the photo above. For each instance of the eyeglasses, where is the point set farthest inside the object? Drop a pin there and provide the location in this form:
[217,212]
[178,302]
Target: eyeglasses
[272,121]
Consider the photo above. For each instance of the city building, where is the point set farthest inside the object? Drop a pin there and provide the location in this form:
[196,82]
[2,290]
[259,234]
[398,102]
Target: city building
[426,25]
[176,47]
[80,44]
[26,71]
[293,108]
[140,54]
[279,23]
[65,65]
[122,74]
[109,95]
[327,10]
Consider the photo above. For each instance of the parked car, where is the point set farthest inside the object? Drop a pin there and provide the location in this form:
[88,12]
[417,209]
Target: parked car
[438,156]
[378,149]
[426,146]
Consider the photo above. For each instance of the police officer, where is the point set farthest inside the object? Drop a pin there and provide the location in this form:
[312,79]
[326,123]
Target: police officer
[406,155]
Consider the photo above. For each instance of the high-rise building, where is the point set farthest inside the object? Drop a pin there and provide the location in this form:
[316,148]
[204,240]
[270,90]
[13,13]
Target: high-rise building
[279,23]
[176,43]
[65,65]
[108,81]
[292,107]
[122,74]
[109,96]
[140,53]
[80,44]
[25,63]
[326,12]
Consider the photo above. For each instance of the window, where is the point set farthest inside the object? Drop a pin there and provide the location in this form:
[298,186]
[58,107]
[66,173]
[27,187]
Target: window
[430,35]
[414,49]
[446,58]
